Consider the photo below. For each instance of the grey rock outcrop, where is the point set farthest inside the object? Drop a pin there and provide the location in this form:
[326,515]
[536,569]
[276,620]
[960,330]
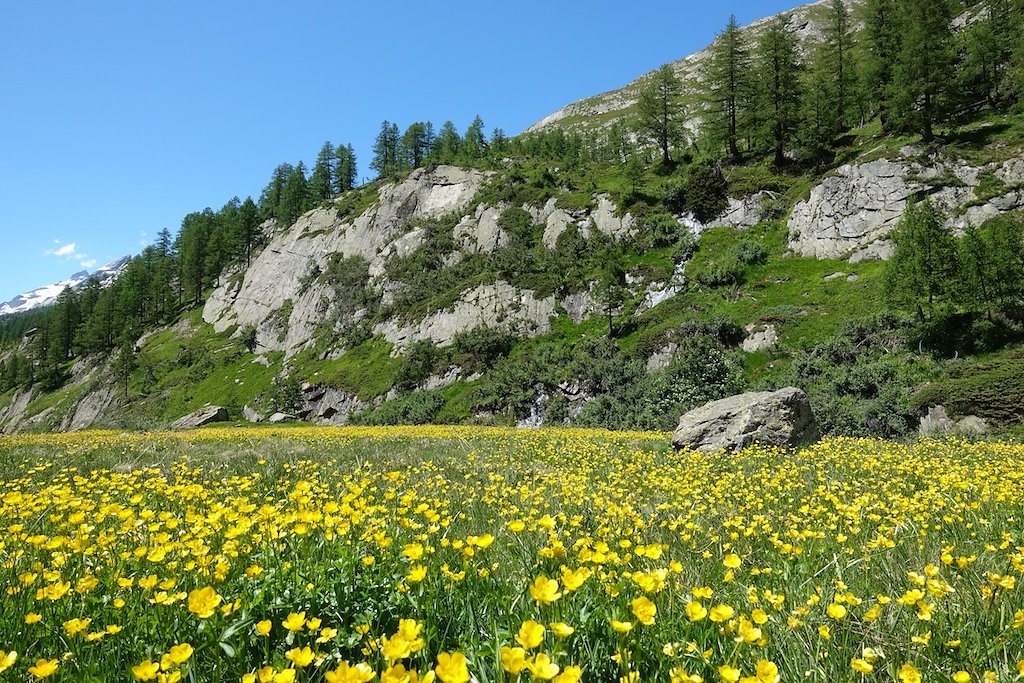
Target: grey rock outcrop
[937,422]
[279,417]
[604,220]
[328,405]
[11,415]
[772,418]
[760,339]
[251,414]
[89,409]
[852,213]
[282,270]
[742,214]
[480,233]
[203,416]
[498,305]
[858,206]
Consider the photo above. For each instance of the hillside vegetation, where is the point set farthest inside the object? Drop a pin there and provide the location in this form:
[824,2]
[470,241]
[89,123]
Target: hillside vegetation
[603,275]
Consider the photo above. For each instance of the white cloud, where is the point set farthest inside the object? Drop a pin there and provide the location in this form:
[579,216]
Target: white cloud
[69,252]
[63,250]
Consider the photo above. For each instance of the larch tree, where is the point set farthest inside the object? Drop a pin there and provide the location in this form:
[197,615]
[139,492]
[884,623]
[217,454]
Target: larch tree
[386,150]
[345,171]
[922,85]
[778,68]
[659,114]
[321,182]
[879,48]
[727,86]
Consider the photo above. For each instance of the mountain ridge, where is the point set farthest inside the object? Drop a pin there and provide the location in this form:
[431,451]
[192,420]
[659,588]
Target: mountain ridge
[47,294]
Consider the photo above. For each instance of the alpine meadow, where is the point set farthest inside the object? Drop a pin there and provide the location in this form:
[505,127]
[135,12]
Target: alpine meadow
[420,428]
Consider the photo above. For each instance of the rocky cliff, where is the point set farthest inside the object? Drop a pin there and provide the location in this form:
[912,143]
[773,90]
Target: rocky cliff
[281,296]
[852,213]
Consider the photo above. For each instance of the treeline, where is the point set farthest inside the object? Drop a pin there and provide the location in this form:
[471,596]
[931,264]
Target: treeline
[396,152]
[169,276]
[766,95]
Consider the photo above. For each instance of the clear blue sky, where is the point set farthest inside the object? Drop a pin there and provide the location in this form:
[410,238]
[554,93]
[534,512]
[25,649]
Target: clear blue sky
[118,118]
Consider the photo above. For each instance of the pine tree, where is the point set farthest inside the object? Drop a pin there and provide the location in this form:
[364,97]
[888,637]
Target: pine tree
[270,199]
[345,169]
[922,85]
[474,144]
[880,46]
[659,114]
[778,69]
[321,182]
[448,145]
[294,197]
[924,266]
[838,61]
[248,228]
[415,145]
[386,150]
[727,86]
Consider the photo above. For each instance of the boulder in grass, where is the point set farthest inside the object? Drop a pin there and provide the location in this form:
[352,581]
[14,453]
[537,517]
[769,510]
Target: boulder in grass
[203,416]
[772,418]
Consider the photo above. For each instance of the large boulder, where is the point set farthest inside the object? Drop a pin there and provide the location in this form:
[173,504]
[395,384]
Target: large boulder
[203,416]
[773,418]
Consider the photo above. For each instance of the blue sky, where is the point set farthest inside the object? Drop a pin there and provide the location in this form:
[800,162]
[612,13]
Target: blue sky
[118,118]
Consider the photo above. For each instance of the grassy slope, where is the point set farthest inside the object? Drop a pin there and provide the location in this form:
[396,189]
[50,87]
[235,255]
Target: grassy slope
[181,372]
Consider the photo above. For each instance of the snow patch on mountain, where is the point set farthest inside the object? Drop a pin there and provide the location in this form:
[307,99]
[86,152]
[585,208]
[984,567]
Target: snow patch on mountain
[46,295]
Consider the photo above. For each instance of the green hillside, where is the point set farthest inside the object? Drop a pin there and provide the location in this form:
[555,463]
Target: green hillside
[662,301]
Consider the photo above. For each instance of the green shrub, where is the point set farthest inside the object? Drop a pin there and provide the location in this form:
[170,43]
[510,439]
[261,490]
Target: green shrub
[412,408]
[705,189]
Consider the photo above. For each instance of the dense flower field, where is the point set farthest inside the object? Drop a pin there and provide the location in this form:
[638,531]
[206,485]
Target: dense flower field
[459,554]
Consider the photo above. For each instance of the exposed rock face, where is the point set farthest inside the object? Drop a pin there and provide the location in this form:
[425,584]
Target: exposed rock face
[278,273]
[203,416]
[742,214]
[250,414]
[761,339]
[89,409]
[328,405]
[860,205]
[852,213]
[498,305]
[604,219]
[938,422]
[779,418]
[12,414]
[480,232]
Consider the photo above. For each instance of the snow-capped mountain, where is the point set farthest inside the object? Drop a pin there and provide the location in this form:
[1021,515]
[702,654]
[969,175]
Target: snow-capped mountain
[43,296]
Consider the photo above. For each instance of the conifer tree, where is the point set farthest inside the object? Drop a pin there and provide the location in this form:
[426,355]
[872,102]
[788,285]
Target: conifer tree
[386,150]
[270,199]
[924,266]
[415,145]
[248,228]
[922,82]
[345,168]
[294,196]
[727,87]
[474,144]
[837,58]
[778,69]
[880,47]
[659,114]
[321,182]
[448,145]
